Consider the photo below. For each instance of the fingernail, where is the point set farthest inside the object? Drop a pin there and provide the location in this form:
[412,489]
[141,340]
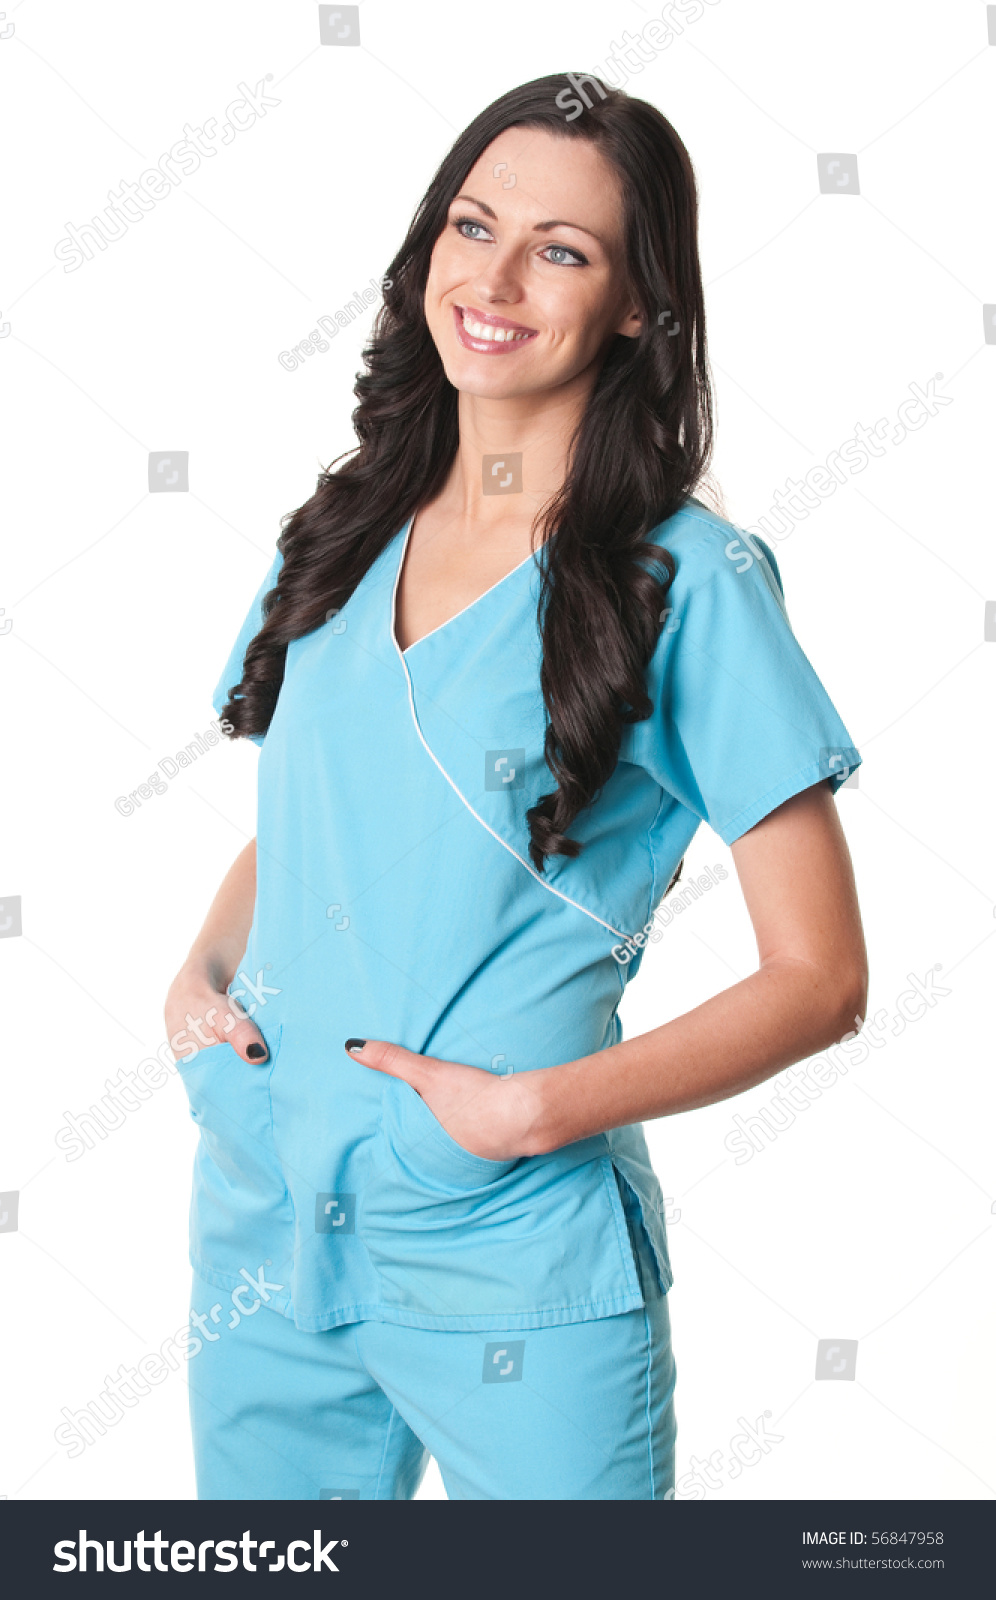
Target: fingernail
[255,1052]
[356,1044]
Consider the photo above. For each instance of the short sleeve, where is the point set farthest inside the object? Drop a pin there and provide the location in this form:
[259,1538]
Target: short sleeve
[232,671]
[741,722]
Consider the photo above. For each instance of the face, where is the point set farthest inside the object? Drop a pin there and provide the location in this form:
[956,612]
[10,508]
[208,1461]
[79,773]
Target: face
[527,283]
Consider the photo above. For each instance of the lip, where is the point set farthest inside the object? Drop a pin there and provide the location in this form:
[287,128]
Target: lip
[490,347]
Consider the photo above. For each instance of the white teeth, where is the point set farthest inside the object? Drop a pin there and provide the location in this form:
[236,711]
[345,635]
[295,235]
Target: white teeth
[487,330]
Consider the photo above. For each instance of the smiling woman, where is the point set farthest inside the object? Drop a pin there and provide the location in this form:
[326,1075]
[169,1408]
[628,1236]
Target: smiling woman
[476,784]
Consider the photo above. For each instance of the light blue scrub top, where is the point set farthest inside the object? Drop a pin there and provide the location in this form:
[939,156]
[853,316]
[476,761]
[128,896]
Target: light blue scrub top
[396,900]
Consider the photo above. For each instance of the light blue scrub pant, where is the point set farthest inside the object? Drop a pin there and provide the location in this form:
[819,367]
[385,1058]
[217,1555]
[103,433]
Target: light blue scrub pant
[584,1411]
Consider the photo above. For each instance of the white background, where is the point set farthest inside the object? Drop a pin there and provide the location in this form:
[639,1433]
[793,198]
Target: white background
[869,1218]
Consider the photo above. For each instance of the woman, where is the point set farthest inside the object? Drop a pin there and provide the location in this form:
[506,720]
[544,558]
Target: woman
[502,666]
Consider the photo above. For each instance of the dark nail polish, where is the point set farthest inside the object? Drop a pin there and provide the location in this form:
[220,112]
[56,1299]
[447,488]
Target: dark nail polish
[255,1052]
[355,1044]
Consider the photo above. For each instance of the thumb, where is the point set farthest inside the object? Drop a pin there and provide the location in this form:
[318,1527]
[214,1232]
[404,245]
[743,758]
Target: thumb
[246,1040]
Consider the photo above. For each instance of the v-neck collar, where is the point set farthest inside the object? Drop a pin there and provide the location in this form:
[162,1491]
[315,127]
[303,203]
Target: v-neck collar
[463,609]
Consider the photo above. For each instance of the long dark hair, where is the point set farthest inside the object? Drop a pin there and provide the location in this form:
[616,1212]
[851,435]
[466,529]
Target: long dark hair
[641,447]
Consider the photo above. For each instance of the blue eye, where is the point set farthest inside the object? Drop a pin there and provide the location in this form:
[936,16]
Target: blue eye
[562,250]
[468,222]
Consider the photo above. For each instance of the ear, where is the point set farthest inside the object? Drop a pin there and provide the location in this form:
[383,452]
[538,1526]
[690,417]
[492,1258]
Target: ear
[631,325]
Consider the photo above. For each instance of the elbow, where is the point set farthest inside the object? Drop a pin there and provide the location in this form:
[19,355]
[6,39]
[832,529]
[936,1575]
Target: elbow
[832,1000]
[851,992]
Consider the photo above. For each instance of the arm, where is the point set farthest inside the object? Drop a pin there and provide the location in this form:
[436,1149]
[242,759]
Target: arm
[197,1005]
[809,989]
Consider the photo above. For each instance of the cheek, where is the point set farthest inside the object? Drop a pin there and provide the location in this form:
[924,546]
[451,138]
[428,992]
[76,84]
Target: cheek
[578,333]
[432,282]
[446,268]
[436,285]
[433,288]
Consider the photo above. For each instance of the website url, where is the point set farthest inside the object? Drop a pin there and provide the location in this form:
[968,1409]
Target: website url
[846,1563]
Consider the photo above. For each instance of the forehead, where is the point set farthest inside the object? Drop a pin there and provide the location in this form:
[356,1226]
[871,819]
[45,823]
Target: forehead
[567,179]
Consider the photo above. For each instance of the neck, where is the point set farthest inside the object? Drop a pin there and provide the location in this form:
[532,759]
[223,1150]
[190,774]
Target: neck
[536,429]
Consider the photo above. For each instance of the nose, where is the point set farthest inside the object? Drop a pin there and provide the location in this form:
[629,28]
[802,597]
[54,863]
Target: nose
[500,278]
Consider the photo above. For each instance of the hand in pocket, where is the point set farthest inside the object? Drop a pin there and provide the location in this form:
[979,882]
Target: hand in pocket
[488,1116]
[199,1015]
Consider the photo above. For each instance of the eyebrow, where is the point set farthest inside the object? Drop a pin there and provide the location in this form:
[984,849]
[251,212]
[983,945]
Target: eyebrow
[539,227]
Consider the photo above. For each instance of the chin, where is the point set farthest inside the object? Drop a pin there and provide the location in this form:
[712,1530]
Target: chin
[468,378]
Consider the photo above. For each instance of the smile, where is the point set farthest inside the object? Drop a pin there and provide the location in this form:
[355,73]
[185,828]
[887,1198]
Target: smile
[488,334]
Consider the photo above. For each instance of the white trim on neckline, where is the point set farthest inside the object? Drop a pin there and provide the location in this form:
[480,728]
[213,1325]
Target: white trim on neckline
[434,758]
[463,609]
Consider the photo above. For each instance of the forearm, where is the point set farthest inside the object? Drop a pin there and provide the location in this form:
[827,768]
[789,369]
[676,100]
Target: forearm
[218,947]
[785,1011]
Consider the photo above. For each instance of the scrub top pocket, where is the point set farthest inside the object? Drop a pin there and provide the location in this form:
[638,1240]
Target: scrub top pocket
[419,1140]
[239,1192]
[226,1093]
[460,1240]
